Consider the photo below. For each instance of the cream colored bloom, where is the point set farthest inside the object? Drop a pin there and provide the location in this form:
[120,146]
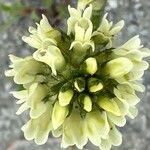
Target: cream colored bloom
[97,126]
[74,132]
[82,94]
[77,15]
[45,40]
[33,99]
[38,129]
[126,93]
[83,34]
[22,70]
[52,56]
[114,138]
[133,50]
[119,67]
[107,30]
[43,36]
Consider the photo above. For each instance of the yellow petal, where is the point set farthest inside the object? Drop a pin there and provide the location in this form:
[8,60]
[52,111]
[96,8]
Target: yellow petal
[117,120]
[29,129]
[115,137]
[38,110]
[105,144]
[87,12]
[94,122]
[74,131]
[20,94]
[32,40]
[58,132]
[59,115]
[23,108]
[45,24]
[96,87]
[74,12]
[133,44]
[133,112]
[117,27]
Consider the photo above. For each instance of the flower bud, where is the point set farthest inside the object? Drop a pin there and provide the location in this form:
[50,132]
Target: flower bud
[65,97]
[58,115]
[109,105]
[119,67]
[87,102]
[79,84]
[91,65]
[94,85]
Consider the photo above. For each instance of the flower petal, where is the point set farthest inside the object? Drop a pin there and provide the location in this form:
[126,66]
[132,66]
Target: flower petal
[59,115]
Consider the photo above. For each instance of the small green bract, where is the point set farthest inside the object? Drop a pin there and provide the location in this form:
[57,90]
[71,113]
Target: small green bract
[78,85]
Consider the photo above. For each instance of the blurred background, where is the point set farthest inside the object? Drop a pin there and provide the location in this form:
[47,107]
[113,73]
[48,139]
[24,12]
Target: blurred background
[16,16]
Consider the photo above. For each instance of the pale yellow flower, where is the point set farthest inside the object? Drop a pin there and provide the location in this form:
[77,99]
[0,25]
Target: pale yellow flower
[39,128]
[22,70]
[83,34]
[107,30]
[77,15]
[43,36]
[77,85]
[33,99]
[50,56]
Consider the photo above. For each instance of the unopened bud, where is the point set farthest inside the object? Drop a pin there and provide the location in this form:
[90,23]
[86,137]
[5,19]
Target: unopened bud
[119,67]
[79,84]
[87,103]
[109,105]
[65,97]
[94,85]
[91,65]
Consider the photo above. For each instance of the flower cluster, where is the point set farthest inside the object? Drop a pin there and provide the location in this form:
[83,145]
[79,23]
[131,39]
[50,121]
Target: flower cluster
[77,85]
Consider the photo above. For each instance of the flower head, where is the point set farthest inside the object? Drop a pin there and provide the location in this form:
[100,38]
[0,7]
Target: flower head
[79,94]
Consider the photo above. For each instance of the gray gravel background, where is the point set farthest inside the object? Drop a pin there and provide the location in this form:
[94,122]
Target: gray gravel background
[136,133]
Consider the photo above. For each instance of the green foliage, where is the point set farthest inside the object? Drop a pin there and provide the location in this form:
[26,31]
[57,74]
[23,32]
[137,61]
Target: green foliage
[17,10]
[13,8]
[47,3]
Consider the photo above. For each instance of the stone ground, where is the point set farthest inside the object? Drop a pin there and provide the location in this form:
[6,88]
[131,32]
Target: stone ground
[136,133]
